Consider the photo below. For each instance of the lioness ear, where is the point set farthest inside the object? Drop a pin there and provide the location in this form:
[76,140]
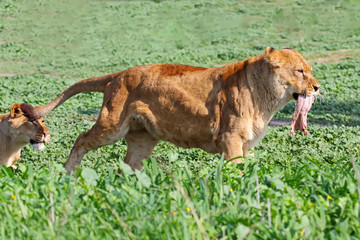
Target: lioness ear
[272,57]
[15,110]
[269,50]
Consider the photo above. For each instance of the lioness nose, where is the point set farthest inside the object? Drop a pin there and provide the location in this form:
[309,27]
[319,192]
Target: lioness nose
[316,88]
[44,135]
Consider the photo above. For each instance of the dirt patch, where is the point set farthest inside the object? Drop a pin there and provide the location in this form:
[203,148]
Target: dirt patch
[326,57]
[333,56]
[91,118]
[19,62]
[7,74]
[50,75]
[2,42]
[14,74]
[9,18]
[281,123]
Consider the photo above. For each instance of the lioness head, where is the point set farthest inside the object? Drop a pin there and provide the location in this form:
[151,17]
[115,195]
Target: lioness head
[27,127]
[290,67]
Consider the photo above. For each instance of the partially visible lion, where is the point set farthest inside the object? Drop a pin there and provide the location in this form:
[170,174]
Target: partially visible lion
[220,110]
[19,128]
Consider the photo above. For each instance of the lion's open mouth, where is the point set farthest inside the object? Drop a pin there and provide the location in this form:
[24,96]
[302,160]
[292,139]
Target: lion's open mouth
[295,96]
[302,107]
[37,145]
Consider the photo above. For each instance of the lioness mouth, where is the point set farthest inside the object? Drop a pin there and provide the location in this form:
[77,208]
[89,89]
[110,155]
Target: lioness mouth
[295,95]
[302,107]
[35,142]
[37,145]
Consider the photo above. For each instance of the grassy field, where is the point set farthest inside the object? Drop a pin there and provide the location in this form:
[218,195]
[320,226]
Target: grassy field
[295,187]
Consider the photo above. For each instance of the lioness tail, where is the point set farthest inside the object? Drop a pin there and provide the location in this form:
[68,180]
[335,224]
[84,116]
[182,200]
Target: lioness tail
[96,84]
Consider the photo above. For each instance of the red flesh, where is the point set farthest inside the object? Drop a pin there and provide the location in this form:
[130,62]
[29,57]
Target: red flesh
[302,107]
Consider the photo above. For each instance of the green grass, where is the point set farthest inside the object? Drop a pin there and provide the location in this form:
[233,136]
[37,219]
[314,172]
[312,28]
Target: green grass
[306,185]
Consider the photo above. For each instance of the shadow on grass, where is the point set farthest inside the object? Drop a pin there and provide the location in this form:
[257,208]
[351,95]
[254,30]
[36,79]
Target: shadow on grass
[90,111]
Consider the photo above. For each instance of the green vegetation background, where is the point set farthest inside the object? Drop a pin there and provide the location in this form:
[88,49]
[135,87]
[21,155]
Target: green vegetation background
[300,187]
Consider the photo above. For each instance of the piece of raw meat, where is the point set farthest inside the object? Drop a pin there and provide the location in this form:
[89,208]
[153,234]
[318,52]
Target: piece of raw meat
[302,107]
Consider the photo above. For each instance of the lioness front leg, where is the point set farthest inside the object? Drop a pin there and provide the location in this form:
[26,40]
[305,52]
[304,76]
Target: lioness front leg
[232,147]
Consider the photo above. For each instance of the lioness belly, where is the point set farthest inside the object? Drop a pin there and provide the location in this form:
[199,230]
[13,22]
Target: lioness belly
[184,131]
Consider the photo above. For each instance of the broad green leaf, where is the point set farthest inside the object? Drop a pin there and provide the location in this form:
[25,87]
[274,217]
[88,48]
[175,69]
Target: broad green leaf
[143,178]
[90,176]
[242,231]
[125,168]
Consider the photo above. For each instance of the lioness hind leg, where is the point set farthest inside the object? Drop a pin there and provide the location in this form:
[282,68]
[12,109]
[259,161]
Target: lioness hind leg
[140,146]
[96,137]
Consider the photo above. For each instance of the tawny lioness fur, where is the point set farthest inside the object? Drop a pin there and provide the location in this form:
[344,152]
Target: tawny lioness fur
[19,128]
[220,110]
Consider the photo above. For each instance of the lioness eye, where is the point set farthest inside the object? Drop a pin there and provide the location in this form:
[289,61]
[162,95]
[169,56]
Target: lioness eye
[301,71]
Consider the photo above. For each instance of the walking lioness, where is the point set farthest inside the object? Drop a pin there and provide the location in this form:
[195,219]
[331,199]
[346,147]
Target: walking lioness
[220,110]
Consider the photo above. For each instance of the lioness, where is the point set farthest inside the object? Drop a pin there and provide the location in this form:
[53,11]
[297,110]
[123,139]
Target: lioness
[220,110]
[19,128]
